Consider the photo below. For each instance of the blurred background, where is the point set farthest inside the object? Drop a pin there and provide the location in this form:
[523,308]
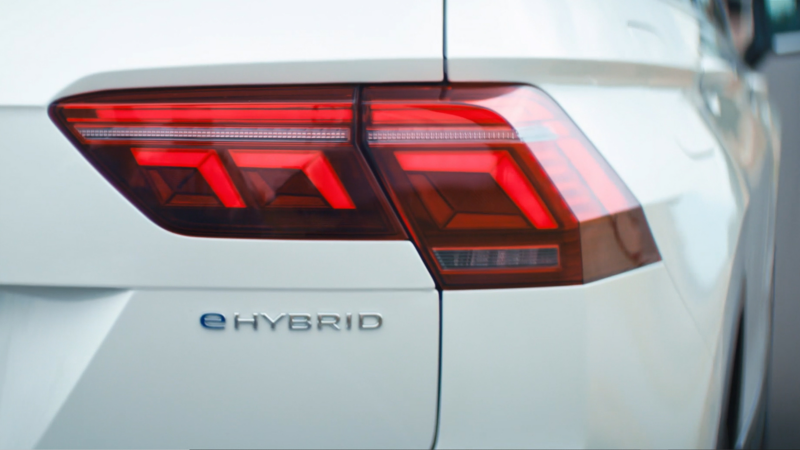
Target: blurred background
[781,67]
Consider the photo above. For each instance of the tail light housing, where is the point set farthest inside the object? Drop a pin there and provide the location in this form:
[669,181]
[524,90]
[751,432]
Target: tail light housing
[494,183]
[235,162]
[499,188]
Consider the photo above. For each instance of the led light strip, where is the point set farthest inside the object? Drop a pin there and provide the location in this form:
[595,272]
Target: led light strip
[214,134]
[441,135]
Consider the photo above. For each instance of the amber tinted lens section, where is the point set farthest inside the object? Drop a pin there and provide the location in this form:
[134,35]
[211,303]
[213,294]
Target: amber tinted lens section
[237,162]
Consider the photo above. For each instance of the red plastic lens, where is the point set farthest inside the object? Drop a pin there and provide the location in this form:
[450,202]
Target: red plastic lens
[205,161]
[499,164]
[249,162]
[312,163]
[499,188]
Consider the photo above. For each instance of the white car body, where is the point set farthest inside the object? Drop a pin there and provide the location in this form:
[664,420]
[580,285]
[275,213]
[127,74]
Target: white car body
[99,338]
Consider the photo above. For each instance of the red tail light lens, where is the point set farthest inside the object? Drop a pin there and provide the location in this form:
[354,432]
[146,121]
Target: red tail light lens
[495,183]
[249,162]
[499,188]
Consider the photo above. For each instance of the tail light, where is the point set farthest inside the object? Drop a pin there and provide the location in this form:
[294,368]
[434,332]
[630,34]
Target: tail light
[252,162]
[499,188]
[496,185]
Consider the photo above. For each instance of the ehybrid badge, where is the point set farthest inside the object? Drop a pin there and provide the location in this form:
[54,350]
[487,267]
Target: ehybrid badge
[295,321]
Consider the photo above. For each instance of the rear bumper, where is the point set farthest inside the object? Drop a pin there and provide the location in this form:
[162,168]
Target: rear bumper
[615,363]
[134,368]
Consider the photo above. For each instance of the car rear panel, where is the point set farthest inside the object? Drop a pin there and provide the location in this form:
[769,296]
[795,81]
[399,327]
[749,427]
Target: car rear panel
[101,338]
[52,50]
[639,359]
[102,328]
[122,368]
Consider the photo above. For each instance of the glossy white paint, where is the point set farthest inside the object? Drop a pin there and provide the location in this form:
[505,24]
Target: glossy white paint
[571,41]
[48,337]
[109,368]
[62,222]
[100,343]
[64,225]
[694,210]
[693,202]
[706,182]
[99,307]
[54,49]
[616,363]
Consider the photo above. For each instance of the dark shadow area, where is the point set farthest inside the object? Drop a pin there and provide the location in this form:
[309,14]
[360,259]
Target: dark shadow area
[783,404]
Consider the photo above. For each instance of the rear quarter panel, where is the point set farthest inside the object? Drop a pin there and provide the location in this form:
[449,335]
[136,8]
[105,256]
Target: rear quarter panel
[100,341]
[637,360]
